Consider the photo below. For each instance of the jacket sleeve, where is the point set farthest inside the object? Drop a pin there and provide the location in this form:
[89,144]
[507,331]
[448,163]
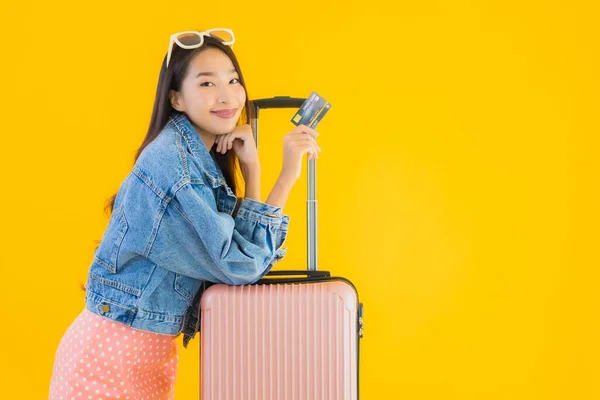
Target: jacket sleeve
[196,240]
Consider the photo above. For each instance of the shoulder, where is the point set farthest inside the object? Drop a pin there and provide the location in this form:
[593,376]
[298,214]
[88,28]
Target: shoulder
[163,163]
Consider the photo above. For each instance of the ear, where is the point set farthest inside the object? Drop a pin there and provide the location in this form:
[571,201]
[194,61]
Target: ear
[175,99]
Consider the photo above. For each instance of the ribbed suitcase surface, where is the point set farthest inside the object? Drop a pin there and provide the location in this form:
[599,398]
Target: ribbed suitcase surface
[279,342]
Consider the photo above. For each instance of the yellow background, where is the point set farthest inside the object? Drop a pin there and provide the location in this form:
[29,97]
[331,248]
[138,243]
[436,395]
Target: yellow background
[458,182]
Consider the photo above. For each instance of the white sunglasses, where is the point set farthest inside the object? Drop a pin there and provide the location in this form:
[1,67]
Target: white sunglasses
[193,40]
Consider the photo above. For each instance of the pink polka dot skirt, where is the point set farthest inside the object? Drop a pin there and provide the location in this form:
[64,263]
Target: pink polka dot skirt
[101,359]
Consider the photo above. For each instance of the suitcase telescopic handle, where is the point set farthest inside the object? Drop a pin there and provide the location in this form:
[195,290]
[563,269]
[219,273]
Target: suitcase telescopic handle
[279,102]
[311,202]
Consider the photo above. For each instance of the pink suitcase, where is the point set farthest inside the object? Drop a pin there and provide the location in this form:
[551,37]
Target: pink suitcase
[292,335]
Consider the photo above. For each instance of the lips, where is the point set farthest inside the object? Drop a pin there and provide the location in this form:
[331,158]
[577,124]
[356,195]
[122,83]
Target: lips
[225,113]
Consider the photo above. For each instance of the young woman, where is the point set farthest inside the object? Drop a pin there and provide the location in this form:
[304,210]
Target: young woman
[175,223]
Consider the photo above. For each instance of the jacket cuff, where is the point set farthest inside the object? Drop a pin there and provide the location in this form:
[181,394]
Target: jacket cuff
[253,210]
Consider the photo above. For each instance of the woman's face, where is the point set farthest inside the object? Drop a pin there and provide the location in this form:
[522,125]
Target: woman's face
[211,94]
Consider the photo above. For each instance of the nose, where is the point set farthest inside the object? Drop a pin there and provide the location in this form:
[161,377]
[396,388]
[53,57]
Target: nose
[225,95]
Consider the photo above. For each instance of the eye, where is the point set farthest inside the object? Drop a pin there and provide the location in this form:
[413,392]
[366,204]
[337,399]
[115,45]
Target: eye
[236,80]
[206,83]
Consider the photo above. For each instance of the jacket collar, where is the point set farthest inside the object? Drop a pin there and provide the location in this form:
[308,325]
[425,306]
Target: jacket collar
[180,122]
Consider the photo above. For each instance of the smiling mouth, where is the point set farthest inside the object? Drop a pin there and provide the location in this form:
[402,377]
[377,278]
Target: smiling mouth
[225,113]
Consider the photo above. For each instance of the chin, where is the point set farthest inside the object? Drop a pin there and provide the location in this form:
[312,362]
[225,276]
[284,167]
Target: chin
[215,127]
[223,129]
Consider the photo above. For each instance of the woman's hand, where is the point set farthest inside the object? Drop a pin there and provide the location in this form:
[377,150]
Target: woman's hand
[242,142]
[299,141]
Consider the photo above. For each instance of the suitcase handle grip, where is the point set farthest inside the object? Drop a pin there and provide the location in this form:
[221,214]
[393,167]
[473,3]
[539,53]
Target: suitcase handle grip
[308,273]
[278,102]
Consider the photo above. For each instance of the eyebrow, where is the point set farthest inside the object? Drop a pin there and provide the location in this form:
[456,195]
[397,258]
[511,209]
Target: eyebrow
[212,73]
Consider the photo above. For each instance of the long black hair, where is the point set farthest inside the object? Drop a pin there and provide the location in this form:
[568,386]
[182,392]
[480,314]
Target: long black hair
[171,79]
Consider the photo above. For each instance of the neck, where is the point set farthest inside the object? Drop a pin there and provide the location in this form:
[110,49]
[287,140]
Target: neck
[207,138]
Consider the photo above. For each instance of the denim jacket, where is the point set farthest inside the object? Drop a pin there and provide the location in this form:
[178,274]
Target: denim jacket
[173,228]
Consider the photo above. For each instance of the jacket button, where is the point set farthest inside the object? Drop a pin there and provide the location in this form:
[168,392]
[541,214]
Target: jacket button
[105,308]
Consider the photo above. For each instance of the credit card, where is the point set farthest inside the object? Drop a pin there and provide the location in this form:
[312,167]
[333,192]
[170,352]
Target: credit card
[312,111]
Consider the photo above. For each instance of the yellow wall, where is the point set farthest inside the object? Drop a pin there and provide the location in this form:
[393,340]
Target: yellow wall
[458,184]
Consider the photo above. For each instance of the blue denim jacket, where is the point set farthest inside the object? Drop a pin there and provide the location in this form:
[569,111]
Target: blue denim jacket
[172,229]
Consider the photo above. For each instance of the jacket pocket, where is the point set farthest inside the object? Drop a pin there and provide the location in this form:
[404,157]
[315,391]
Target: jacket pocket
[187,287]
[108,251]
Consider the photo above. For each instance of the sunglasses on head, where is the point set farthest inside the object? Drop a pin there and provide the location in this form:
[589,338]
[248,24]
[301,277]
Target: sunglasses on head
[193,39]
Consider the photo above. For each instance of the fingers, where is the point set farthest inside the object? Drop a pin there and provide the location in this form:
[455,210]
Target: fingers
[308,146]
[306,129]
[311,152]
[315,150]
[303,139]
[228,142]
[221,144]
[225,142]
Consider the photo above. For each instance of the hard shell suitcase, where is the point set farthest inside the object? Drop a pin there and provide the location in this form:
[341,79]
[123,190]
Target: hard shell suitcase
[291,335]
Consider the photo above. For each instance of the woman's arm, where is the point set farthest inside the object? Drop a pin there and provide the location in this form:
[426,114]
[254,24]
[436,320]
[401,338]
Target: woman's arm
[296,143]
[280,192]
[252,178]
[195,239]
